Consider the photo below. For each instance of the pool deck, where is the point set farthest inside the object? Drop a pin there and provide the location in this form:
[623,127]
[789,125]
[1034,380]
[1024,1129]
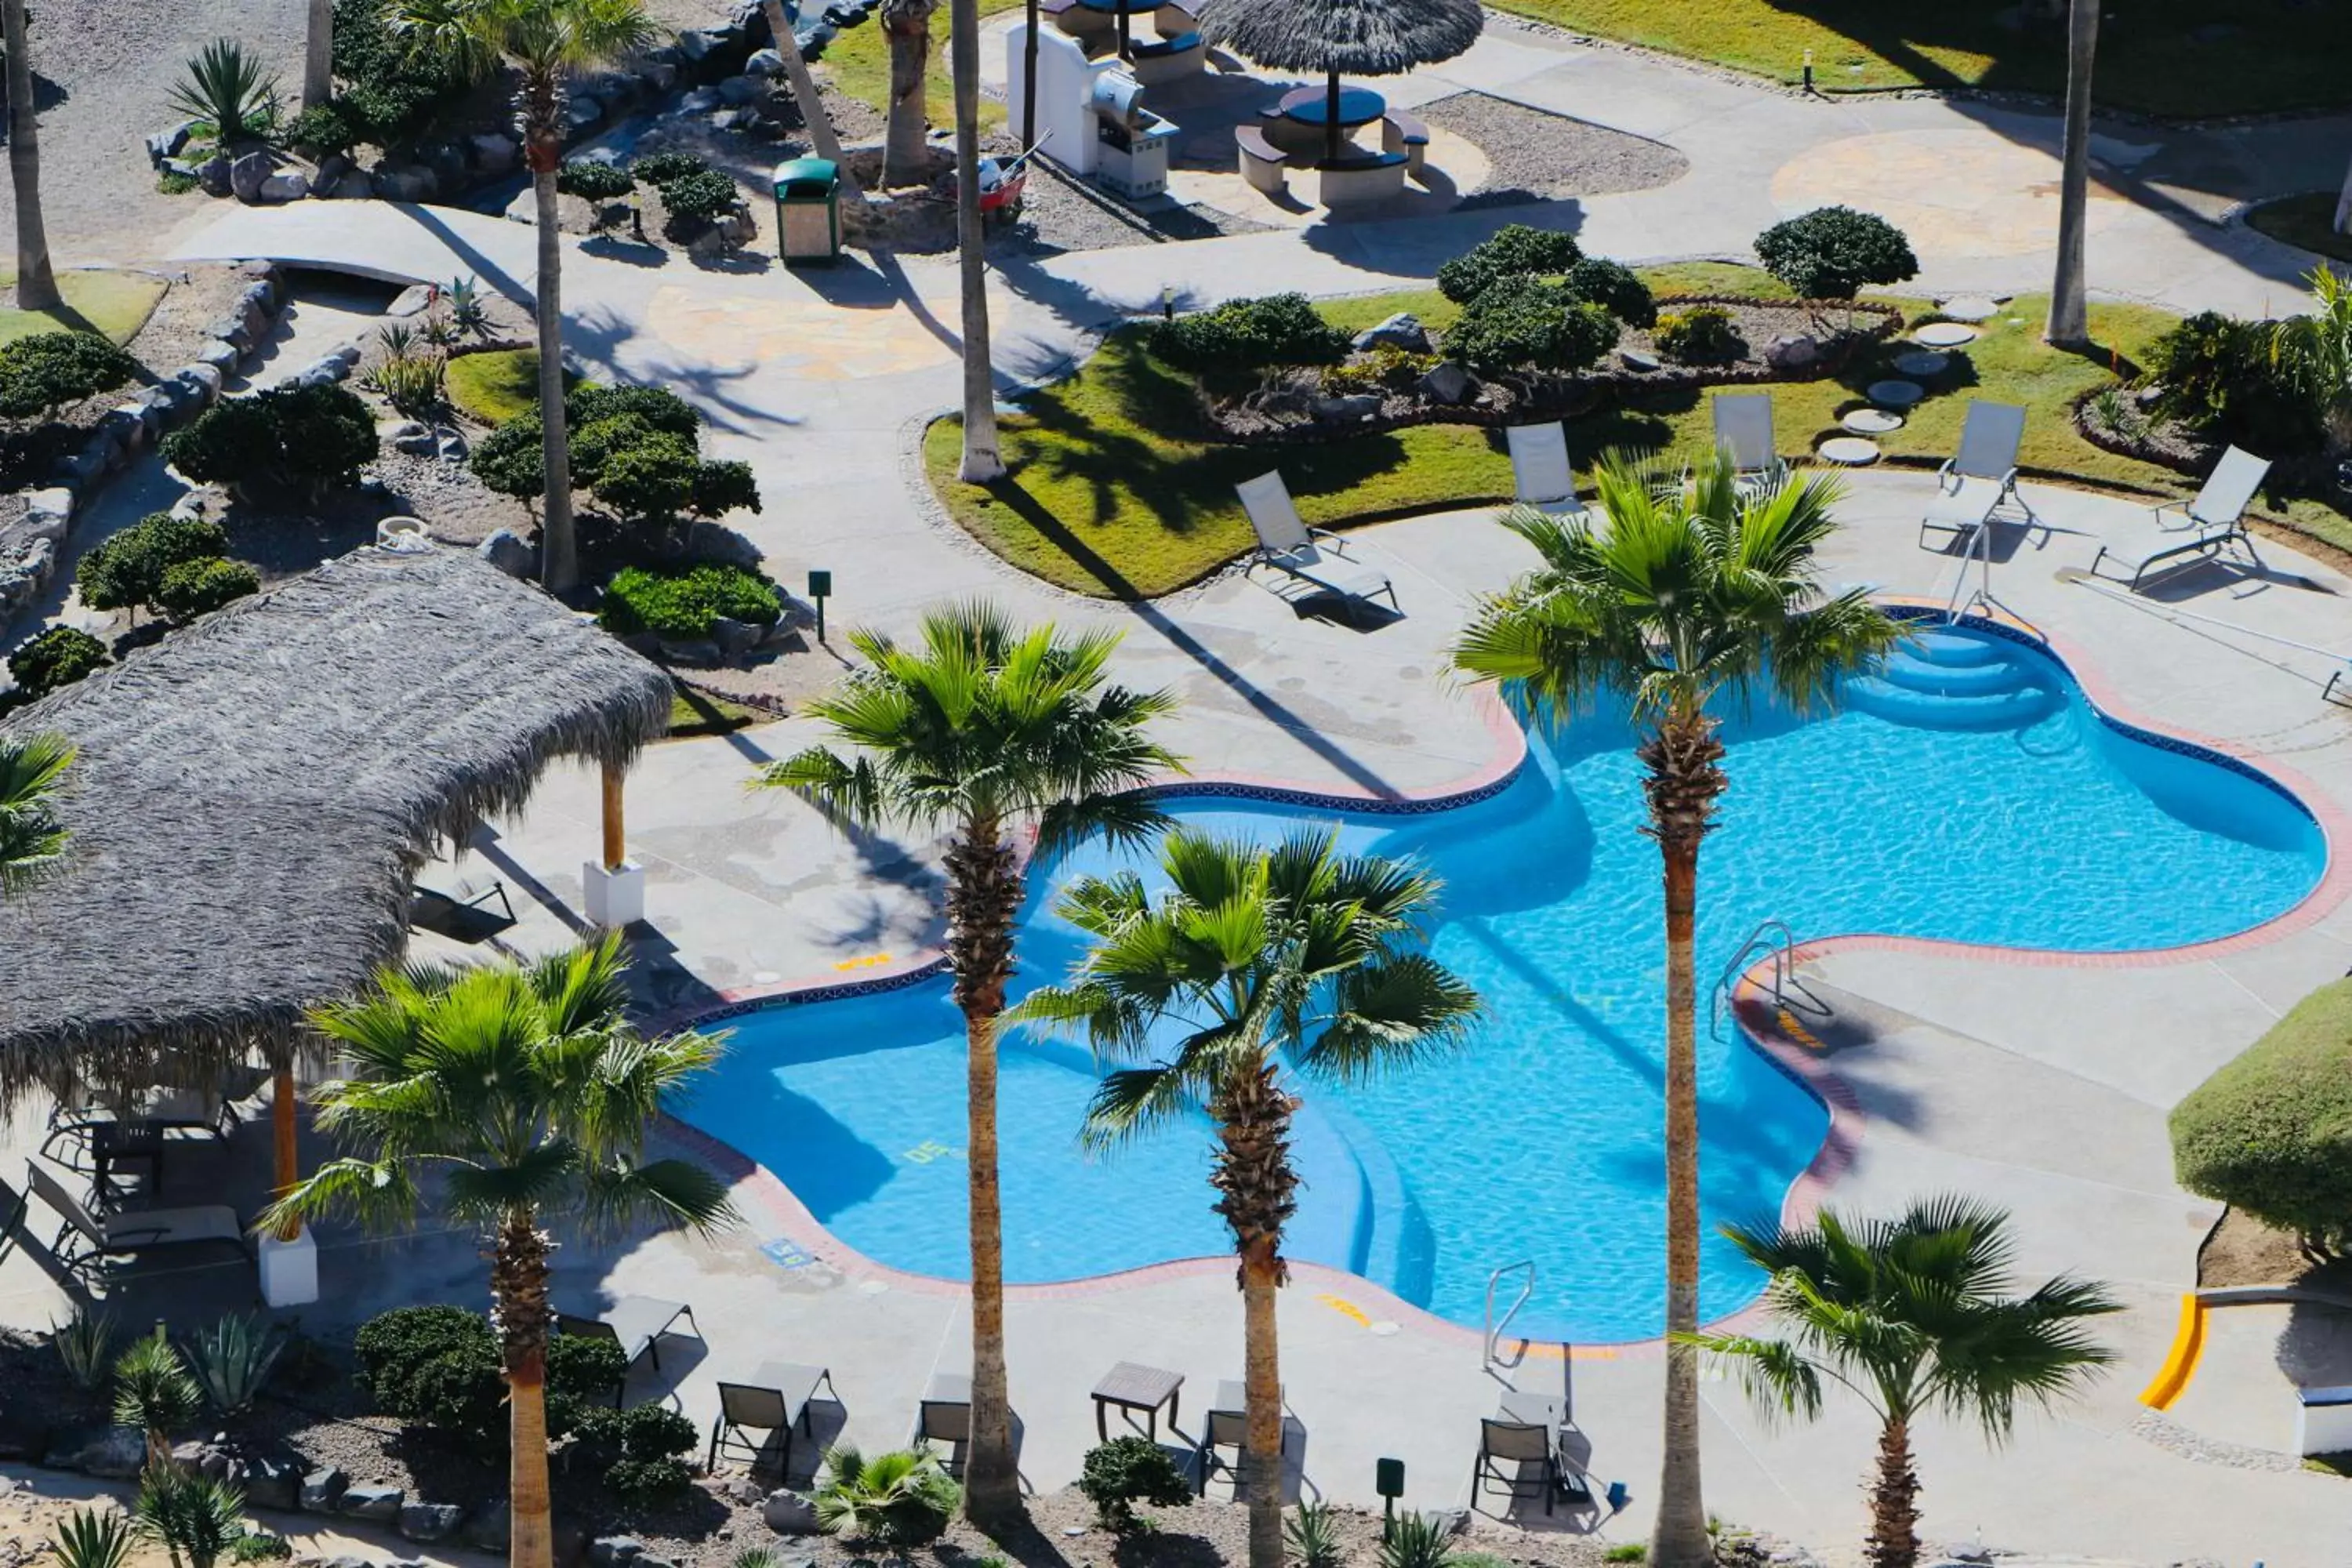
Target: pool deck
[1976,1071]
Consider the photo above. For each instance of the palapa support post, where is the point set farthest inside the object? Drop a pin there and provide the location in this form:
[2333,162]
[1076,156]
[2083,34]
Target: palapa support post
[287,1258]
[1331,117]
[614,885]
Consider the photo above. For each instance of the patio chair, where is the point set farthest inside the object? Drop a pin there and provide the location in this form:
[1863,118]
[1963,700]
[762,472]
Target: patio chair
[2217,513]
[1974,483]
[1506,1450]
[944,1415]
[1743,427]
[774,1402]
[1290,547]
[85,1237]
[1227,1427]
[1540,474]
[635,1323]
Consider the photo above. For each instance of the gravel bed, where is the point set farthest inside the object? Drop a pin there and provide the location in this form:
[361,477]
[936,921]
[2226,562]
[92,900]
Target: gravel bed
[2173,1437]
[1534,155]
[1060,212]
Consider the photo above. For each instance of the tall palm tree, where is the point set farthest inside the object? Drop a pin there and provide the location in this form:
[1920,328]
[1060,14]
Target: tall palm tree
[2070,317]
[36,282]
[981,462]
[1675,601]
[1912,1314]
[1254,956]
[545,41]
[820,125]
[906,119]
[528,1095]
[982,731]
[32,776]
[319,54]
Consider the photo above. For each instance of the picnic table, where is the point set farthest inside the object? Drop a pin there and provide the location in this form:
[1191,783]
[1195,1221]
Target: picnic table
[1312,106]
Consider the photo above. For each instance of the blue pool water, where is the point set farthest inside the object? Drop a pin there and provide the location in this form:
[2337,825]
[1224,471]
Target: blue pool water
[1969,792]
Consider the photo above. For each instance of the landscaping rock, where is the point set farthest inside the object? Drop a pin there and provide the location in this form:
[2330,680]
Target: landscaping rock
[272,1482]
[212,175]
[164,144]
[615,1550]
[293,185]
[697,42]
[371,1503]
[1447,381]
[247,174]
[429,1521]
[582,111]
[322,1489]
[738,90]
[1637,360]
[411,301]
[219,355]
[709,541]
[762,63]
[1793,351]
[121,1453]
[1346,410]
[697,652]
[494,153]
[48,513]
[332,169]
[404,181]
[1403,331]
[788,1513]
[702,100]
[735,638]
[446,160]
[356,186]
[232,330]
[491,1529]
[510,553]
[413,437]
[204,380]
[660,76]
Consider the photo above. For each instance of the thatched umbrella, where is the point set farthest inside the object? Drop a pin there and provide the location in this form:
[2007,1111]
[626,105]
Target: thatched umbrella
[251,798]
[1355,37]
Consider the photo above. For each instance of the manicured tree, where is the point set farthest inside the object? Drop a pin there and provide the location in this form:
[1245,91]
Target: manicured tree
[982,730]
[982,460]
[32,777]
[527,1093]
[1831,253]
[1674,602]
[126,570]
[39,373]
[57,657]
[1253,957]
[37,284]
[908,25]
[546,42]
[2267,1132]
[2070,317]
[1914,1316]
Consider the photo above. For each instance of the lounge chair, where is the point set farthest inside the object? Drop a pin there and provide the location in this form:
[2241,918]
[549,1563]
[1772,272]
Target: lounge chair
[1525,1430]
[2217,513]
[635,1323]
[1743,427]
[774,1402]
[944,1415]
[1290,547]
[1540,474]
[1227,1428]
[1974,483]
[85,1237]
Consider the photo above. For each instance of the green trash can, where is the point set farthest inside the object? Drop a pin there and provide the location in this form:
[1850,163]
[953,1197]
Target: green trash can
[808,210]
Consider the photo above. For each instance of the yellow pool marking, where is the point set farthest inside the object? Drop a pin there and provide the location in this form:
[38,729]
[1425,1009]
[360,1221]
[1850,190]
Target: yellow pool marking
[1346,1308]
[1799,1033]
[2187,1344]
[923,1153]
[868,961]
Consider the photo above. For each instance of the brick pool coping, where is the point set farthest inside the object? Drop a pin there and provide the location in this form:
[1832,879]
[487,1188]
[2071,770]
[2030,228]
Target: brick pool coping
[1388,1312]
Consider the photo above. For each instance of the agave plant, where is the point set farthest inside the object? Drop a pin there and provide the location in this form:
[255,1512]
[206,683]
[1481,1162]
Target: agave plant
[88,1538]
[1311,1538]
[154,1391]
[193,1519]
[398,338]
[231,91]
[1417,1540]
[466,308]
[85,1343]
[412,385]
[439,331]
[231,1361]
[902,1499]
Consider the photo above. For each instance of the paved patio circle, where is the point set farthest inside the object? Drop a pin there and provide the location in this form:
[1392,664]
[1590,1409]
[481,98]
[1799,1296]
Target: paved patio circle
[1971,192]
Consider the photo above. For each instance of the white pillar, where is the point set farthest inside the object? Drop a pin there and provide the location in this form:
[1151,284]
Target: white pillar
[289,1270]
[615,894]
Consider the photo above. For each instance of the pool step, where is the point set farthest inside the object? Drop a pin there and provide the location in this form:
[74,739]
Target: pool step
[1934,711]
[1956,647]
[1907,668]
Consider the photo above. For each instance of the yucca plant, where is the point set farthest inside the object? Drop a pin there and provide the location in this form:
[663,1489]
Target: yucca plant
[438,330]
[759,1557]
[1311,1538]
[398,338]
[154,1391]
[85,1343]
[193,1519]
[895,1500]
[467,310]
[1416,1541]
[415,385]
[89,1537]
[231,91]
[231,1361]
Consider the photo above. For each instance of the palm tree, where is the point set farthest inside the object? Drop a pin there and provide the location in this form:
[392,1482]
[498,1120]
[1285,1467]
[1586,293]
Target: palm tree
[527,1093]
[820,125]
[545,41]
[1672,603]
[36,283]
[1254,956]
[32,776]
[319,54]
[1912,1315]
[2070,319]
[981,462]
[908,25]
[982,731]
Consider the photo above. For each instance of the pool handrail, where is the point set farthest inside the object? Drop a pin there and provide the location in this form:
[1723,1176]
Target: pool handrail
[1774,938]
[1488,1361]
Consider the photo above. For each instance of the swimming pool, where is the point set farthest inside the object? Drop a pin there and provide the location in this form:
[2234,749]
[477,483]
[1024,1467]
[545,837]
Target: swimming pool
[1969,792]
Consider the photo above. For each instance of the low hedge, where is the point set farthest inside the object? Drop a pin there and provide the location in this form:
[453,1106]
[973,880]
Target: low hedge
[2271,1132]
[438,1368]
[685,604]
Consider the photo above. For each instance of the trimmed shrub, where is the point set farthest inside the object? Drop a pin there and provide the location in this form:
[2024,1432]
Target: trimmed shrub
[684,604]
[695,201]
[58,656]
[194,588]
[1522,325]
[656,405]
[304,436]
[1261,334]
[594,180]
[437,1367]
[723,486]
[509,459]
[1120,1475]
[126,570]
[394,84]
[40,373]
[659,169]
[1830,253]
[321,130]
[1515,250]
[640,1452]
[599,441]
[2271,1132]
[1613,286]
[2234,381]
[1701,334]
[648,481]
[30,455]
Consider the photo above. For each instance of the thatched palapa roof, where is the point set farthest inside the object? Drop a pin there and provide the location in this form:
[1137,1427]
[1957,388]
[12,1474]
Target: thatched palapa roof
[254,794]
[1352,37]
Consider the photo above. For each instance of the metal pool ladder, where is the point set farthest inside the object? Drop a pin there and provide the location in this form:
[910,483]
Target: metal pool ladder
[1772,937]
[1494,1326]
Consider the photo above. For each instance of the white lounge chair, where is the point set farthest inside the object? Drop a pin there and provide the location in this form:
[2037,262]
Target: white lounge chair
[1975,482]
[1743,427]
[1540,474]
[85,1237]
[1307,555]
[2217,513]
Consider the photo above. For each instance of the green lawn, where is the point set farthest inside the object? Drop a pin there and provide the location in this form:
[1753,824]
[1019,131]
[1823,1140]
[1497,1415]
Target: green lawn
[2268,56]
[694,714]
[494,388]
[2308,220]
[1112,492]
[858,61]
[97,299]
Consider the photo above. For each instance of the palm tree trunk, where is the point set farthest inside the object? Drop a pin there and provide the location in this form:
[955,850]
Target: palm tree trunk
[319,54]
[985,892]
[907,25]
[1253,1173]
[820,125]
[37,285]
[1683,780]
[559,549]
[1894,1502]
[282,1130]
[520,1312]
[980,462]
[2069,311]
[1029,92]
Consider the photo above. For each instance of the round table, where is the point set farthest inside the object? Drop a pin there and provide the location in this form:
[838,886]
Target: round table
[1312,106]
